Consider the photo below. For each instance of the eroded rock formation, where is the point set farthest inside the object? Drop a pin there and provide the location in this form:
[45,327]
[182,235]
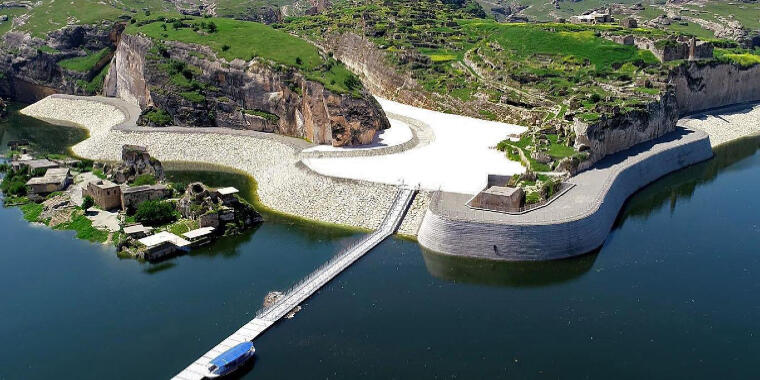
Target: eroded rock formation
[135,161]
[30,64]
[254,95]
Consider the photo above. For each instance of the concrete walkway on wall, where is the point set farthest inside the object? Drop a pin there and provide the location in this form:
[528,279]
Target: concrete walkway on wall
[576,222]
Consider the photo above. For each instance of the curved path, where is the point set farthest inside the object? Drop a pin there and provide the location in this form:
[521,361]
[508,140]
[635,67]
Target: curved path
[575,223]
[283,185]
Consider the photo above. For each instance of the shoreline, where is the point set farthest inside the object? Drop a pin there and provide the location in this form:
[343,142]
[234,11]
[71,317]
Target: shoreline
[270,159]
[284,186]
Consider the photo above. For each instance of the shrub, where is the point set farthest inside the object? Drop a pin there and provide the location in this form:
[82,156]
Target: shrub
[87,202]
[159,117]
[156,213]
[14,185]
[145,179]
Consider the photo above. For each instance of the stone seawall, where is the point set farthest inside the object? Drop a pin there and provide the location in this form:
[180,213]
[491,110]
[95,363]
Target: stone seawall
[577,223]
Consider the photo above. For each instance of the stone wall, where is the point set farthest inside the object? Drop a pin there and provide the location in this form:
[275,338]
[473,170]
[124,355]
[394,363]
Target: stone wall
[558,231]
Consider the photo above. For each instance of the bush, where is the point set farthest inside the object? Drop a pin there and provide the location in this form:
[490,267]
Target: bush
[145,179]
[87,202]
[156,213]
[14,184]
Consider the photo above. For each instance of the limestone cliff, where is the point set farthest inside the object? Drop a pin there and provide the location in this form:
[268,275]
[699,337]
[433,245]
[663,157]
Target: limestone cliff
[700,86]
[254,95]
[625,129]
[692,87]
[364,58]
[30,65]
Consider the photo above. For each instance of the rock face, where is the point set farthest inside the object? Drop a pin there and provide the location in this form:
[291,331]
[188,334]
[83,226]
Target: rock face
[700,86]
[250,95]
[692,87]
[624,130]
[30,64]
[362,56]
[136,161]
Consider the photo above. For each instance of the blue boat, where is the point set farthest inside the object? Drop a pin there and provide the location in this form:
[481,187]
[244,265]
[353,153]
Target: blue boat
[230,360]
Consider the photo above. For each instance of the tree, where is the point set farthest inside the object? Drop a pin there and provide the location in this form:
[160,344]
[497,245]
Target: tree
[87,202]
[211,27]
[156,213]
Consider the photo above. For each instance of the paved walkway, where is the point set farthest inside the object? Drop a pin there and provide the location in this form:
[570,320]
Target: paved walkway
[575,223]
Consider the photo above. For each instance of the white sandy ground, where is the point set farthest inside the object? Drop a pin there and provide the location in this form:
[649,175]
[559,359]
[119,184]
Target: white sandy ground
[458,160]
[726,124]
[397,134]
[281,185]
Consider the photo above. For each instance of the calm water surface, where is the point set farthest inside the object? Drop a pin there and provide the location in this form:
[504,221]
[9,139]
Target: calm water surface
[672,293]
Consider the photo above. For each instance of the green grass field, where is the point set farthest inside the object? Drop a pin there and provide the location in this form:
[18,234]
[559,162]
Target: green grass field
[526,40]
[244,40]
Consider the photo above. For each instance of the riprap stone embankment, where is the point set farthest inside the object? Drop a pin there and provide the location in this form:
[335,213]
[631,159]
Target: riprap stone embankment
[270,159]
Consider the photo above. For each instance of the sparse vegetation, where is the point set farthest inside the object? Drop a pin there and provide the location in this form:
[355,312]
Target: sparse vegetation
[86,63]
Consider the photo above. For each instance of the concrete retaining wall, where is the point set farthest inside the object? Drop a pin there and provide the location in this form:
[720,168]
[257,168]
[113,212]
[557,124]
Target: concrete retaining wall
[574,227]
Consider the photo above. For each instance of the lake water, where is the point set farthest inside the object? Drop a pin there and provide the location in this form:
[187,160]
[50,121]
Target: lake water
[672,293]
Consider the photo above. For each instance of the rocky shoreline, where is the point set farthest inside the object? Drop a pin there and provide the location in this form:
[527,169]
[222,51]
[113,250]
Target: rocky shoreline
[726,124]
[283,185]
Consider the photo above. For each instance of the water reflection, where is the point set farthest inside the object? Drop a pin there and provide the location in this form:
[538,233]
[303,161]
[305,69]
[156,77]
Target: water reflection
[683,183]
[44,137]
[159,267]
[665,191]
[506,273]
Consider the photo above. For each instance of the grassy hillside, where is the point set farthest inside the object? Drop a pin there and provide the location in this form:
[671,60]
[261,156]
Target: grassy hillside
[232,39]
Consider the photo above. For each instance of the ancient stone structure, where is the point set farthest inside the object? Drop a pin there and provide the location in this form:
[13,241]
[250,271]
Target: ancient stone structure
[629,22]
[216,207]
[251,95]
[106,194]
[131,197]
[136,161]
[499,198]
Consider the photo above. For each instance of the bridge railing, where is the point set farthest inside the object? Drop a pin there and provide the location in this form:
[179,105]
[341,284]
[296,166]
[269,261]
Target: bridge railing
[386,228]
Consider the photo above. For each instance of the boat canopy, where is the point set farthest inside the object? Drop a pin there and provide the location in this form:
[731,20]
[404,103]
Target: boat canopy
[232,355]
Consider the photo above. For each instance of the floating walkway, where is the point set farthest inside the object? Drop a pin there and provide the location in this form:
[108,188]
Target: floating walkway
[306,287]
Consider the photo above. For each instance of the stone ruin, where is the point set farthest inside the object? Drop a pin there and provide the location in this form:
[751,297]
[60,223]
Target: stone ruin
[135,161]
[214,209]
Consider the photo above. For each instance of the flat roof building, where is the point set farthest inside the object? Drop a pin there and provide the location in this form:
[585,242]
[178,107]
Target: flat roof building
[34,165]
[137,231]
[131,197]
[162,244]
[55,179]
[199,236]
[106,194]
